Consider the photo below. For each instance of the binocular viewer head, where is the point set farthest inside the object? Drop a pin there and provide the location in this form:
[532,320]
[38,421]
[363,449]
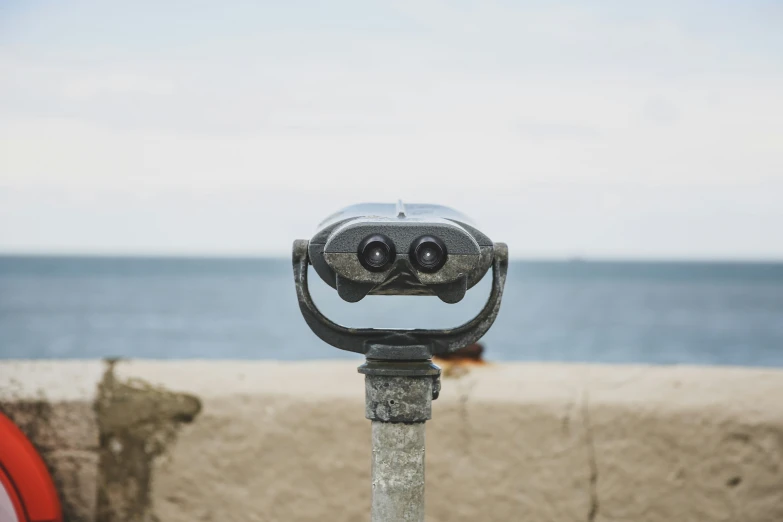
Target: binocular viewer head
[400,249]
[388,249]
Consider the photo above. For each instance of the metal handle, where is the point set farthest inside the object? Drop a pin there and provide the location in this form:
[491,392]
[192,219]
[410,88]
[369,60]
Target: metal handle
[389,344]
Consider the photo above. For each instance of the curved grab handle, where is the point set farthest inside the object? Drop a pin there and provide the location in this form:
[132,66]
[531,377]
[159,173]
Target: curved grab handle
[414,344]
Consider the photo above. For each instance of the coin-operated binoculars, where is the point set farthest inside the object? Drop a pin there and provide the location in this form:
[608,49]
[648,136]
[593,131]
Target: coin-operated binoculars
[402,249]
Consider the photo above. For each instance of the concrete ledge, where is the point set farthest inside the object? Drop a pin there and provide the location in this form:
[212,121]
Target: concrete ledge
[289,442]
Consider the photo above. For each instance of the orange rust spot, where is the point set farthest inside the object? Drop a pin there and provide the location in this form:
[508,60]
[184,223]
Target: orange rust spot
[458,363]
[473,353]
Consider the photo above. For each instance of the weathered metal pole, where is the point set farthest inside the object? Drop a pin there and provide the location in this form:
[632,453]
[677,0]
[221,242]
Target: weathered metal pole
[397,471]
[399,402]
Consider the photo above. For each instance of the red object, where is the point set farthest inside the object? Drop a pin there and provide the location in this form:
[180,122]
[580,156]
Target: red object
[27,488]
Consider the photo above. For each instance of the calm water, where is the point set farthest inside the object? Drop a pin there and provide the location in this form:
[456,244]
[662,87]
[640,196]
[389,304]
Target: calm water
[700,313]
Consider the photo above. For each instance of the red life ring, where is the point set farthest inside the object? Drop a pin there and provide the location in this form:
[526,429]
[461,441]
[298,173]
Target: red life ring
[27,493]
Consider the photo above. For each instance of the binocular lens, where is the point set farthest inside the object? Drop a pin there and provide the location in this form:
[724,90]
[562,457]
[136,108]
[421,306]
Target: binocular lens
[428,253]
[376,253]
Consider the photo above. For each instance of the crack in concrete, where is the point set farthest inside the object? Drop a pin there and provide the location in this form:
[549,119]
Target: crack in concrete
[565,424]
[592,512]
[464,396]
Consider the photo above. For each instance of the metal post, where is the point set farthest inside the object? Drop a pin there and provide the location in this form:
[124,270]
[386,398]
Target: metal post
[400,380]
[397,471]
[399,402]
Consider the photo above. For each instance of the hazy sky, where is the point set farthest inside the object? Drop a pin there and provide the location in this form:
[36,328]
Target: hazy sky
[622,129]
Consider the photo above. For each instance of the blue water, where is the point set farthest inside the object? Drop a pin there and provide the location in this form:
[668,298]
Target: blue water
[694,313]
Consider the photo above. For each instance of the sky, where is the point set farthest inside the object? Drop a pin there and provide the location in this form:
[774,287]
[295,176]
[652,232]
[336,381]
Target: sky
[611,130]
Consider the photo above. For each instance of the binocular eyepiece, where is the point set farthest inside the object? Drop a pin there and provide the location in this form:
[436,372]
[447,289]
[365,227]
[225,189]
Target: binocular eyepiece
[377,253]
[428,253]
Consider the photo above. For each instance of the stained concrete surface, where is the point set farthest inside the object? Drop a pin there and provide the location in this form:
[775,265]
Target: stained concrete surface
[99,442]
[289,441]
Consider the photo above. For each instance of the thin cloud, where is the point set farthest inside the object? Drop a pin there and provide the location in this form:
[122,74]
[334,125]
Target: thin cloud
[616,130]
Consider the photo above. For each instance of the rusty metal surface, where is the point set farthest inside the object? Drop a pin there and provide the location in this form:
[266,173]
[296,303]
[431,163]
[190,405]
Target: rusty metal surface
[353,282]
[404,369]
[398,399]
[400,368]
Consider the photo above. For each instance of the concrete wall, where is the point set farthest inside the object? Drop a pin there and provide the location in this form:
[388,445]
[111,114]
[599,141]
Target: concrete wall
[264,441]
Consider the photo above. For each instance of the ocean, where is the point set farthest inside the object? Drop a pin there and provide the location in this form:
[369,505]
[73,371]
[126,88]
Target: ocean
[579,311]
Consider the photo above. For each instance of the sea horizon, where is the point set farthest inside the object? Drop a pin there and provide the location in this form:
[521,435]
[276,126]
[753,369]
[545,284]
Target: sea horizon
[716,312]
